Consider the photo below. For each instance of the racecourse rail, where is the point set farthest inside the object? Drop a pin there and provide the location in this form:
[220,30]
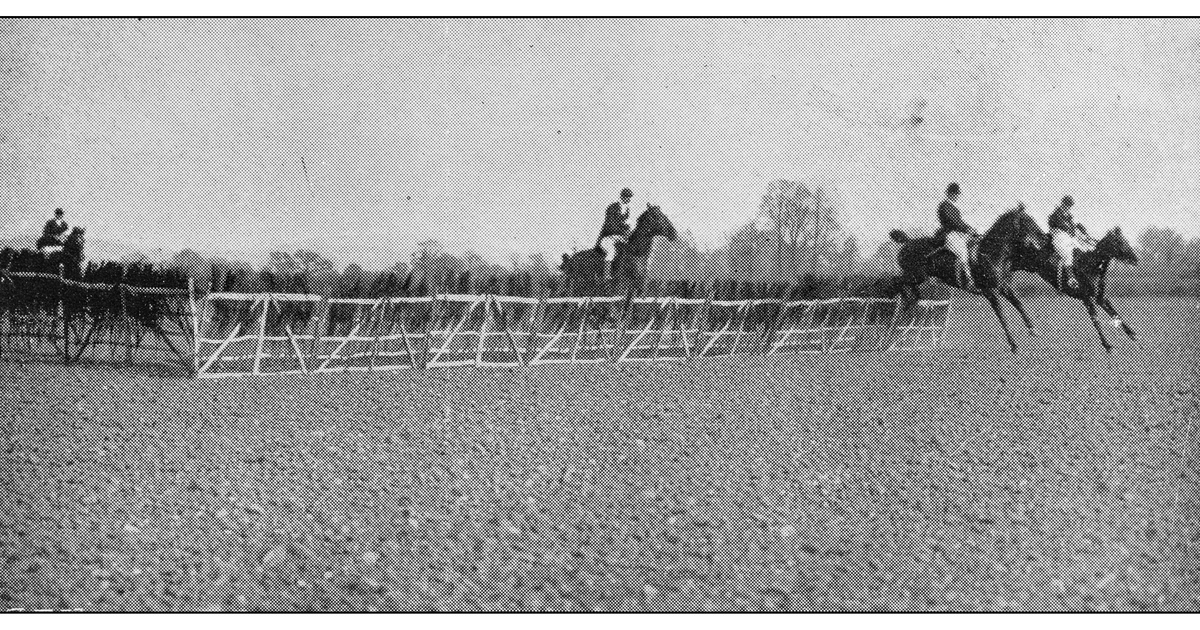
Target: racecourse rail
[238,334]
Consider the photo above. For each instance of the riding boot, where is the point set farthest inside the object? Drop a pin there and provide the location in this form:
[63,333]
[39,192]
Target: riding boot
[967,281]
[608,265]
[1072,283]
[1066,279]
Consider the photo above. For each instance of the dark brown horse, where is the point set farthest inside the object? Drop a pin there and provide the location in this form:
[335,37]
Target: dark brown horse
[1091,272]
[47,259]
[585,270]
[1014,241]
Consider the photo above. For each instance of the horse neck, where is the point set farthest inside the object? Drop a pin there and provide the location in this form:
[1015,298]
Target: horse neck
[1094,260]
[639,244]
[995,245]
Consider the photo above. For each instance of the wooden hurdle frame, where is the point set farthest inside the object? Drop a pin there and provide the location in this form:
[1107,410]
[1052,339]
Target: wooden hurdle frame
[490,330]
[260,303]
[376,318]
[112,329]
[544,347]
[668,324]
[919,327]
[844,335]
[494,322]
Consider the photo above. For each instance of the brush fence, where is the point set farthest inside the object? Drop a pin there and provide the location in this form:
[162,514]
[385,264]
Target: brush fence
[241,334]
[48,316]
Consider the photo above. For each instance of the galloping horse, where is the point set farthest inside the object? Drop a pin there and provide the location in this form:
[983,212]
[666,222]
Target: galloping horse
[585,270]
[46,259]
[1013,241]
[1091,271]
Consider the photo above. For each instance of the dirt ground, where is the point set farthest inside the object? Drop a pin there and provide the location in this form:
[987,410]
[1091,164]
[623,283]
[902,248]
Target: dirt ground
[956,478]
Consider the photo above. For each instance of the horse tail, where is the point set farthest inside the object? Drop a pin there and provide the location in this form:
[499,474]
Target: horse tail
[899,236]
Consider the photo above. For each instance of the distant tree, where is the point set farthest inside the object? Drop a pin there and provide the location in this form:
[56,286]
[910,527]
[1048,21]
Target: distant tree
[400,269]
[883,262]
[1191,258]
[1161,248]
[190,262]
[352,282]
[802,222]
[321,274]
[848,259]
[282,264]
[309,261]
[435,268]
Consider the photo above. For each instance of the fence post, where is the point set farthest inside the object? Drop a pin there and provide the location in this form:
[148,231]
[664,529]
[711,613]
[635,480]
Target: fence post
[262,331]
[533,341]
[700,320]
[773,326]
[195,326]
[62,319]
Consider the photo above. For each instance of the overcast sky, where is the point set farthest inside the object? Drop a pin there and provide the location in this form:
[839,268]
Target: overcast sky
[512,136]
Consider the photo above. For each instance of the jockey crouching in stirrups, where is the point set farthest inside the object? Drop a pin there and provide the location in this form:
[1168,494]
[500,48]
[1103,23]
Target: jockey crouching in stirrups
[1066,236]
[54,234]
[615,230]
[956,236]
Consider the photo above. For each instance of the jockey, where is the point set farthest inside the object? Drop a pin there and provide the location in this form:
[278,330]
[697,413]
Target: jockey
[1065,237]
[55,232]
[956,235]
[615,230]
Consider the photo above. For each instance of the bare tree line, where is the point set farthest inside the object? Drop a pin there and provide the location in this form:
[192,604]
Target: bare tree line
[795,238]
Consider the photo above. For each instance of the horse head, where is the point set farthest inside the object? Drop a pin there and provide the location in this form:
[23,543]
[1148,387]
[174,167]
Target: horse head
[1115,245]
[71,257]
[652,223]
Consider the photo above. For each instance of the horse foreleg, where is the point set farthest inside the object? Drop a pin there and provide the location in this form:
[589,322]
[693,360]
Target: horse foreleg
[1091,307]
[995,302]
[1116,317]
[1009,295]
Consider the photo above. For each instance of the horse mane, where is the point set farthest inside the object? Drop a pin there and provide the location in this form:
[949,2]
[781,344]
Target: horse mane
[1009,222]
[1010,215]
[653,220]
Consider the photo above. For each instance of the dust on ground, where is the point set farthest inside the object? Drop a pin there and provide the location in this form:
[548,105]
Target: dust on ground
[953,478]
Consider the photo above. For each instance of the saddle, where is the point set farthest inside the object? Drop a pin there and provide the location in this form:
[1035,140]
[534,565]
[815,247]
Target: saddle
[973,241]
[1086,243]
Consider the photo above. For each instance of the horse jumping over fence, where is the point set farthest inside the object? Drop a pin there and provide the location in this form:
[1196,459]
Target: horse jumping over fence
[1013,242]
[584,270]
[1091,271]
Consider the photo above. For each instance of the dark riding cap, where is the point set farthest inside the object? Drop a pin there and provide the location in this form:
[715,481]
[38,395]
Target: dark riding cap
[58,212]
[625,192]
[952,189]
[1067,201]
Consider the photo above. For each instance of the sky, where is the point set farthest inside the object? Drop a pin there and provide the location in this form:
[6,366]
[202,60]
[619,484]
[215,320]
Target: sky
[362,138]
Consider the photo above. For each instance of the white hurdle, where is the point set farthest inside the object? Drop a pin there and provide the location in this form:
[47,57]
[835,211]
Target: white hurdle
[291,333]
[270,354]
